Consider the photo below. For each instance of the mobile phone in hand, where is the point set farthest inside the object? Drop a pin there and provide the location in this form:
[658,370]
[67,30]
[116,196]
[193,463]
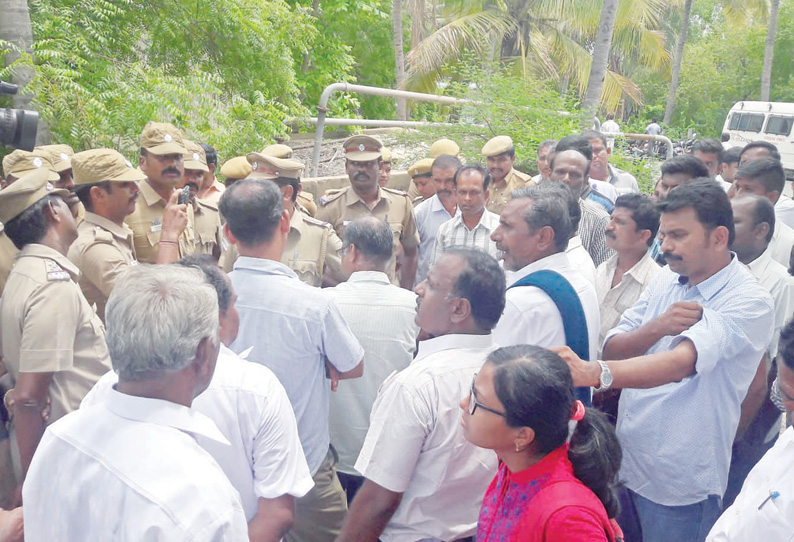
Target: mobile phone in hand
[184,196]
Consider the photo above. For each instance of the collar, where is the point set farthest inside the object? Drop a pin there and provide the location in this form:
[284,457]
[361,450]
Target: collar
[759,265]
[35,250]
[296,223]
[485,220]
[587,189]
[217,185]
[639,271]
[716,282]
[554,262]
[351,198]
[454,341]
[574,243]
[369,276]
[150,196]
[554,461]
[437,206]
[166,413]
[266,267]
[122,232]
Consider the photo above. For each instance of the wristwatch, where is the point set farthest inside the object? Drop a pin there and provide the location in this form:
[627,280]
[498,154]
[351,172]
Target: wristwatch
[605,379]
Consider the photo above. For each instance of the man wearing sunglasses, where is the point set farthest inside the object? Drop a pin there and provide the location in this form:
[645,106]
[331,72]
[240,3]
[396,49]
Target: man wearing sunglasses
[424,480]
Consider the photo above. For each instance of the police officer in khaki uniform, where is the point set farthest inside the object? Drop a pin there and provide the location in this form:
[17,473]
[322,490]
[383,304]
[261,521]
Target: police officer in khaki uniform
[385,167]
[8,253]
[235,169]
[53,341]
[313,249]
[60,157]
[106,184]
[206,217]
[501,155]
[162,161]
[365,197]
[422,180]
[305,200]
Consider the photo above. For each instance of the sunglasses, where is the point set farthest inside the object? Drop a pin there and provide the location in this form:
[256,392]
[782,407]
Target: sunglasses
[474,404]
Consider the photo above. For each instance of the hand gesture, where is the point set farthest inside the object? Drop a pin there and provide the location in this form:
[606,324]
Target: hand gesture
[679,317]
[174,218]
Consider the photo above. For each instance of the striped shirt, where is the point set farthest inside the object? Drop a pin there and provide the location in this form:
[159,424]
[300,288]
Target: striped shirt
[453,233]
[592,230]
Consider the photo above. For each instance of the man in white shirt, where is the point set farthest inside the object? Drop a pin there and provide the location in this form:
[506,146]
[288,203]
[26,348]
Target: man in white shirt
[533,233]
[424,480]
[434,211]
[754,222]
[764,510]
[381,316]
[729,163]
[784,208]
[472,227]
[265,462]
[296,330]
[135,470]
[601,170]
[610,126]
[765,177]
[709,151]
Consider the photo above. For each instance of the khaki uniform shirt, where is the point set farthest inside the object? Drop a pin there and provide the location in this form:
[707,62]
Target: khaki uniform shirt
[312,247]
[8,252]
[413,193]
[500,197]
[207,229]
[146,223]
[306,202]
[394,206]
[214,193]
[80,213]
[48,327]
[103,250]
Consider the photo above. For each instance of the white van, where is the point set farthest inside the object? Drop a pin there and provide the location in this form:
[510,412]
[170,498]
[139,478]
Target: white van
[765,121]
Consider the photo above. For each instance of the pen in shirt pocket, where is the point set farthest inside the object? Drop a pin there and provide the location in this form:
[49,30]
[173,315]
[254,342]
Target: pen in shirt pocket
[772,496]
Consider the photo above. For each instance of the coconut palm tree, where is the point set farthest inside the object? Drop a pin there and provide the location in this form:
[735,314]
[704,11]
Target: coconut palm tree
[598,67]
[677,59]
[769,50]
[545,39]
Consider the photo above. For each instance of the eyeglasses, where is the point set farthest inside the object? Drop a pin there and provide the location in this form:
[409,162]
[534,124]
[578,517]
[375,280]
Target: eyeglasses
[474,403]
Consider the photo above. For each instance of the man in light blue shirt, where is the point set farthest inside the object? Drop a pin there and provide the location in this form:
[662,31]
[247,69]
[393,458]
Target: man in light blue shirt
[433,212]
[689,349]
[296,330]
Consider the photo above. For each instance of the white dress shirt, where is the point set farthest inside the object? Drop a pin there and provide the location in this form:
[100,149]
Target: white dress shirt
[430,214]
[764,510]
[293,328]
[530,315]
[415,444]
[781,244]
[725,185]
[605,189]
[381,316]
[784,211]
[250,407]
[130,468]
[455,233]
[614,301]
[775,278]
[580,259]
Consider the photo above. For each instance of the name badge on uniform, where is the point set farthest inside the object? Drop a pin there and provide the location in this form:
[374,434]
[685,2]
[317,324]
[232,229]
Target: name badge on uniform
[157,225]
[55,271]
[346,222]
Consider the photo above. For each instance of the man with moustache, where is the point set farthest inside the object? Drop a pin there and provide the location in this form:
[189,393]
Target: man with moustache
[500,154]
[545,150]
[433,212]
[685,355]
[365,197]
[206,217]
[162,161]
[601,170]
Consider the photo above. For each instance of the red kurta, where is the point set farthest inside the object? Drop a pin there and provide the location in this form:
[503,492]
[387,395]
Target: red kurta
[544,503]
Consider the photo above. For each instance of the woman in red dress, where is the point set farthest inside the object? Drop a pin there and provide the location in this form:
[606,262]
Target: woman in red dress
[549,487]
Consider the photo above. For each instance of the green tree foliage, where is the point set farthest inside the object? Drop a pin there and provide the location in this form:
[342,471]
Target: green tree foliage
[222,71]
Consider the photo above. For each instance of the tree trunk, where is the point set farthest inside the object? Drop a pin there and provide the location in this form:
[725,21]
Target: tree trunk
[399,55]
[769,51]
[679,56]
[418,22]
[598,69]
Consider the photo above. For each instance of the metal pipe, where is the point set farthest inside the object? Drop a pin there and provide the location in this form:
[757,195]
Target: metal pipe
[376,123]
[322,109]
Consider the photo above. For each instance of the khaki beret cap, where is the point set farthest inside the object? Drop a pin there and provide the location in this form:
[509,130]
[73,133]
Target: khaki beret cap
[270,167]
[195,157]
[10,160]
[60,156]
[278,150]
[31,161]
[422,167]
[444,146]
[26,191]
[236,168]
[385,154]
[162,138]
[497,145]
[100,165]
[362,148]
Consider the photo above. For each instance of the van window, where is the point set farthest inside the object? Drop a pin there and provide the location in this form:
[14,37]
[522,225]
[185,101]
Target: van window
[779,125]
[751,122]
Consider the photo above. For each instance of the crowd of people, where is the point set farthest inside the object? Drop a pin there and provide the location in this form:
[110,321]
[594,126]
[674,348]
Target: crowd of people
[488,356]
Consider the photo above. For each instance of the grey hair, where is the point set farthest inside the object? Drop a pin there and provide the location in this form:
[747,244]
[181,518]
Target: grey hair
[156,317]
[372,237]
[550,207]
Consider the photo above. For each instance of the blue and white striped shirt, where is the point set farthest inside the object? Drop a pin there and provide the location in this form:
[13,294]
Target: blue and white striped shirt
[677,438]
